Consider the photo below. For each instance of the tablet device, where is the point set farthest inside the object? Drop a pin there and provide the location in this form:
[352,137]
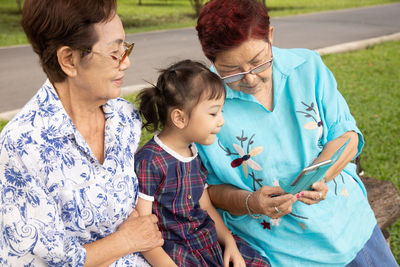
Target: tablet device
[311,174]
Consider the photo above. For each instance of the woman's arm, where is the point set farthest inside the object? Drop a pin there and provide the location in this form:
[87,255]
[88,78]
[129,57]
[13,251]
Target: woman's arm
[233,200]
[348,154]
[156,256]
[319,188]
[231,253]
[135,234]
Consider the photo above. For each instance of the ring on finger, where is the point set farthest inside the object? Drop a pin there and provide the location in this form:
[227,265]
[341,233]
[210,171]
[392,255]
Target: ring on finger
[277,211]
[320,196]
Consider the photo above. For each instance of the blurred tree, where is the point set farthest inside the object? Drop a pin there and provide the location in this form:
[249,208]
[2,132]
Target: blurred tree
[197,5]
[19,5]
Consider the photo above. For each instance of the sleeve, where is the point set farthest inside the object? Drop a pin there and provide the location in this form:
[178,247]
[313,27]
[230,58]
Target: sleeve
[149,176]
[31,225]
[335,113]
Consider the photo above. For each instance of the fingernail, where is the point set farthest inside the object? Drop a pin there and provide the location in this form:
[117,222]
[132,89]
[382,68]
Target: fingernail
[298,195]
[302,193]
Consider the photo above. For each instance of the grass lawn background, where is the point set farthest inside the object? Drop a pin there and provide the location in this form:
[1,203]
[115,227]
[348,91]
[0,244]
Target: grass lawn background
[169,14]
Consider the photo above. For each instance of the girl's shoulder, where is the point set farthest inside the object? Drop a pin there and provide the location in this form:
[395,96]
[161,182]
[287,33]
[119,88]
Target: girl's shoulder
[149,151]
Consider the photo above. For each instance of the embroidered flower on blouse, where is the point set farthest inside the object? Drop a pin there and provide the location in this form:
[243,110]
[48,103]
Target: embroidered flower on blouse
[312,112]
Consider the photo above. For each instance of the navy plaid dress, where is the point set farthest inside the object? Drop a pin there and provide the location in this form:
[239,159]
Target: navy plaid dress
[175,185]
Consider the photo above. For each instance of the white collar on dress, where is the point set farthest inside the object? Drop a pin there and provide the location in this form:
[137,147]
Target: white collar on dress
[174,153]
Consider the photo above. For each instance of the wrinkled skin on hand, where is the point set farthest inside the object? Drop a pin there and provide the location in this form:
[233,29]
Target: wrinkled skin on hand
[271,201]
[141,233]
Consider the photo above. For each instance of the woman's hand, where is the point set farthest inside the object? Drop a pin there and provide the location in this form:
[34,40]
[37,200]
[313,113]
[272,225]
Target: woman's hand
[141,233]
[320,189]
[135,234]
[232,254]
[271,201]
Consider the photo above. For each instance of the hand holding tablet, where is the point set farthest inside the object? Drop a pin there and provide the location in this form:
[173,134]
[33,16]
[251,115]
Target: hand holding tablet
[311,174]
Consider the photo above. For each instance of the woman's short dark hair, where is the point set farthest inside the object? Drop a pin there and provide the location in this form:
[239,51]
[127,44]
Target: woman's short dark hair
[182,85]
[51,24]
[225,24]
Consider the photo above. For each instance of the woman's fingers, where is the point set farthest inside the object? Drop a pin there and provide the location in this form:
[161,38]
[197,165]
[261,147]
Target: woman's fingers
[271,201]
[320,190]
[281,206]
[141,233]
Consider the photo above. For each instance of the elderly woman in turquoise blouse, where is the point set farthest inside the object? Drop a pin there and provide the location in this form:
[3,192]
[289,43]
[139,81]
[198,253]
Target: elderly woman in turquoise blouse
[282,112]
[68,187]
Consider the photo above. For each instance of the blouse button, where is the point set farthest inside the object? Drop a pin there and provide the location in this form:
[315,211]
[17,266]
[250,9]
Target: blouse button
[195,229]
[189,196]
[190,218]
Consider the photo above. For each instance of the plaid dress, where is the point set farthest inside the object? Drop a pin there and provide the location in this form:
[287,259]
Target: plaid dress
[175,185]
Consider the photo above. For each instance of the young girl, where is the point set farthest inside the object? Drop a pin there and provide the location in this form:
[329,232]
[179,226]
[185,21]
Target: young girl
[187,106]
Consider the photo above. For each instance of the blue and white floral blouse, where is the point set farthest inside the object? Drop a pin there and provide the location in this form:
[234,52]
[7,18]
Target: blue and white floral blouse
[55,195]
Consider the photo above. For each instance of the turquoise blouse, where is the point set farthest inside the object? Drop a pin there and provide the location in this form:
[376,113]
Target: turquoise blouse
[308,112]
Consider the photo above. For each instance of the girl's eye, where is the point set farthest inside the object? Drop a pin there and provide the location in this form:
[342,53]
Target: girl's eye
[213,114]
[114,57]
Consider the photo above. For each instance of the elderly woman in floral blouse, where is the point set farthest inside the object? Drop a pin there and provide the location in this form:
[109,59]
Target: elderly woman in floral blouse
[67,182]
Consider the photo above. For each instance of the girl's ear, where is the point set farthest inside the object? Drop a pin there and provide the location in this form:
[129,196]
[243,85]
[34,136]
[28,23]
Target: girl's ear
[179,118]
[66,59]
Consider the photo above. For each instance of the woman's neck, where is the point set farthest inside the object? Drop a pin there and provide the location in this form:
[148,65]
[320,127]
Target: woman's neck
[82,110]
[174,139]
[266,98]
[86,115]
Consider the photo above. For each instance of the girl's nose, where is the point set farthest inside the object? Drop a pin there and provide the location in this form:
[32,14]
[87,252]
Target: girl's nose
[221,121]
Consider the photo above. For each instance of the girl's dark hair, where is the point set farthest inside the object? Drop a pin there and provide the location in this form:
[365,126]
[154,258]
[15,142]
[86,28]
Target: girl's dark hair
[181,85]
[51,24]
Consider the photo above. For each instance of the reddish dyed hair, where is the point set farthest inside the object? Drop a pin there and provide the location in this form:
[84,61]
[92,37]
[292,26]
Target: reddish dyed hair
[225,24]
[51,24]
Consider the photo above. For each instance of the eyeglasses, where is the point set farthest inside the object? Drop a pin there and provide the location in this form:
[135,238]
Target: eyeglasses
[257,69]
[128,47]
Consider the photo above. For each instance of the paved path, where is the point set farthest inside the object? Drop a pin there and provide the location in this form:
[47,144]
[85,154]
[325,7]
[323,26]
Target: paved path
[21,75]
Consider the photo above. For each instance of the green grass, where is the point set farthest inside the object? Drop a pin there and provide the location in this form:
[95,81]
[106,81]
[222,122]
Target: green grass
[2,124]
[170,14]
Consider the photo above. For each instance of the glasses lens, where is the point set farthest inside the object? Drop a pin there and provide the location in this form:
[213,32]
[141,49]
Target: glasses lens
[127,52]
[130,48]
[233,78]
[262,67]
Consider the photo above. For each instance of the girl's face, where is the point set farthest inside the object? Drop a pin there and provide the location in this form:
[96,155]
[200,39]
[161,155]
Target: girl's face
[245,57]
[205,121]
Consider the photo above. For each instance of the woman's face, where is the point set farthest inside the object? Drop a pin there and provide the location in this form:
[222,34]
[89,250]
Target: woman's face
[245,57]
[99,75]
